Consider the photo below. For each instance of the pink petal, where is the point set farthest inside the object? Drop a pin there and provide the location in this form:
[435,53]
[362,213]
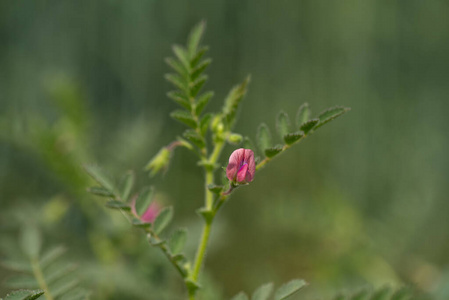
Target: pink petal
[241,174]
[235,160]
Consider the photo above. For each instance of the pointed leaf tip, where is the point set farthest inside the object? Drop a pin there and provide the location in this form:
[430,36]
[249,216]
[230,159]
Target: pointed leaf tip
[302,115]
[240,296]
[263,137]
[126,184]
[163,219]
[289,289]
[115,204]
[263,292]
[283,124]
[292,138]
[100,177]
[194,38]
[309,125]
[184,117]
[272,152]
[177,241]
[331,114]
[144,200]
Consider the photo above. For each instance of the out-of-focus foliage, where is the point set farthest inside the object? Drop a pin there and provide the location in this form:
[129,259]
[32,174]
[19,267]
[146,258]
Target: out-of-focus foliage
[33,268]
[364,203]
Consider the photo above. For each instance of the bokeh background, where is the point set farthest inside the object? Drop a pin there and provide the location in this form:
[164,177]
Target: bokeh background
[361,203]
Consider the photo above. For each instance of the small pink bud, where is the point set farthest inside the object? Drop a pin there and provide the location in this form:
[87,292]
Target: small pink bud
[241,167]
[149,215]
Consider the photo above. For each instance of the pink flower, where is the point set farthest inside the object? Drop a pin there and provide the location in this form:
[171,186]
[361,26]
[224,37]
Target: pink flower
[241,167]
[149,215]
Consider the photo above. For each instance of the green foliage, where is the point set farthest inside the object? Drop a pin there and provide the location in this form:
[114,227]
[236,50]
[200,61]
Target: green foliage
[100,191]
[232,102]
[309,125]
[264,291]
[163,219]
[305,125]
[216,189]
[203,100]
[144,199]
[289,289]
[31,241]
[273,151]
[240,296]
[100,177]
[331,114]
[263,137]
[189,79]
[126,185]
[302,115]
[178,240]
[184,117]
[24,295]
[292,138]
[159,162]
[385,293]
[46,271]
[283,124]
[116,204]
[194,137]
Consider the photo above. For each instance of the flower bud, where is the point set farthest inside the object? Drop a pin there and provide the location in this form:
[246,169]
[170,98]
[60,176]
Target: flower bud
[150,213]
[217,125]
[235,138]
[159,162]
[241,167]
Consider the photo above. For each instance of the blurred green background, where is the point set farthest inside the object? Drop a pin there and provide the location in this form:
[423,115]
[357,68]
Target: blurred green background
[363,202]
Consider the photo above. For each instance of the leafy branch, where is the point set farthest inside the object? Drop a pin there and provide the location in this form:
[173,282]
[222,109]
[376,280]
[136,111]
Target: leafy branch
[24,295]
[188,79]
[45,271]
[304,126]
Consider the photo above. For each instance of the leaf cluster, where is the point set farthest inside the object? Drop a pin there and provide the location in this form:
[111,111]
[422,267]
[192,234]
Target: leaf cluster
[189,65]
[134,207]
[41,271]
[24,295]
[385,293]
[292,134]
[265,291]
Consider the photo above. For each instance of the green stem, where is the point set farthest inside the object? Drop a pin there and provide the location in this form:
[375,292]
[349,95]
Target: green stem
[202,247]
[40,278]
[201,251]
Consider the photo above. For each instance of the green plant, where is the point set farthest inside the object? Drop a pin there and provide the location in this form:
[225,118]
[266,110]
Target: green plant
[206,136]
[45,271]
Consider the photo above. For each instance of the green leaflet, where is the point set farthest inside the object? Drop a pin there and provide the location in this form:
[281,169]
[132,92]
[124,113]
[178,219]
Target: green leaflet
[177,241]
[163,219]
[144,200]
[289,289]
[263,137]
[282,124]
[263,292]
[302,115]
[24,295]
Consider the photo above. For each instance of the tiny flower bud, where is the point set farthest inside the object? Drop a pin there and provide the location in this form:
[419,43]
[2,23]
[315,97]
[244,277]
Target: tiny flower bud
[150,213]
[217,125]
[235,138]
[241,167]
[160,161]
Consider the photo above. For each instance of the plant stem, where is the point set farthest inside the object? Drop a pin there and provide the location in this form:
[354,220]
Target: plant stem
[202,247]
[40,278]
[201,251]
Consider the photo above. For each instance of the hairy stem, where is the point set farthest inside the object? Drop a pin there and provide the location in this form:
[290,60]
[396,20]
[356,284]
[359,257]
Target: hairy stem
[202,247]
[201,251]
[37,271]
